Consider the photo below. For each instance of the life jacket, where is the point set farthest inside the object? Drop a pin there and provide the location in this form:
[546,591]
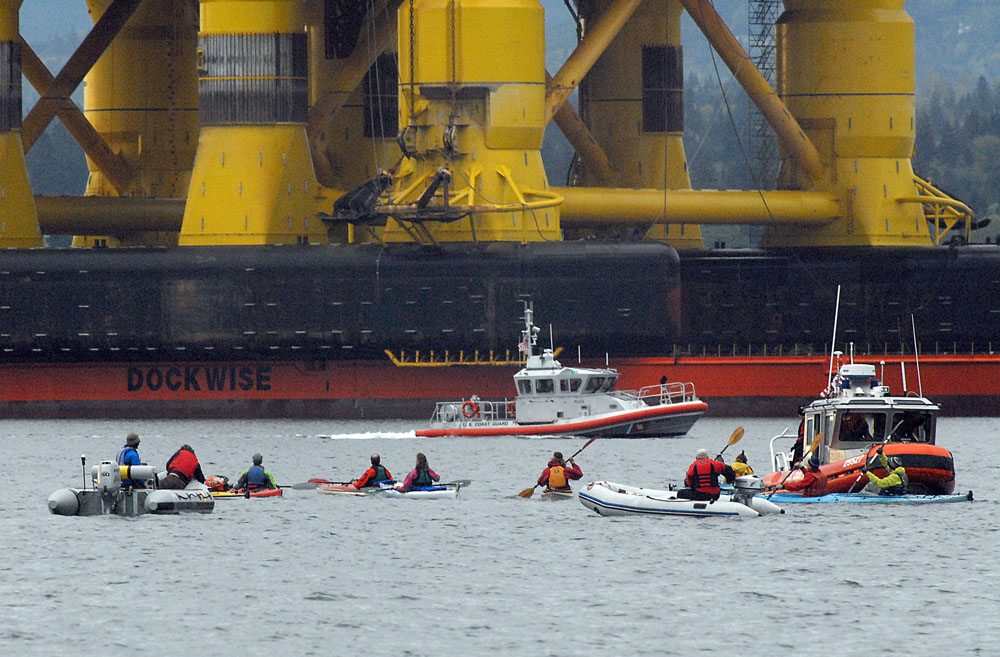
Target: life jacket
[184,464]
[703,476]
[257,477]
[423,478]
[123,455]
[897,488]
[557,478]
[217,483]
[379,473]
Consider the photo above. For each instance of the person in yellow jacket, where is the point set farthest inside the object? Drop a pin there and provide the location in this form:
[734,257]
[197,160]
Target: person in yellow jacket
[740,466]
[892,484]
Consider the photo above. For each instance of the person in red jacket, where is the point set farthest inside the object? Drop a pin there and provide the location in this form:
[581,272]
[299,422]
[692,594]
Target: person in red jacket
[557,474]
[373,475]
[812,483]
[702,478]
[182,467]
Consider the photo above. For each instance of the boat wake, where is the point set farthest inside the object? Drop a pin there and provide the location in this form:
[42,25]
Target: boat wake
[371,435]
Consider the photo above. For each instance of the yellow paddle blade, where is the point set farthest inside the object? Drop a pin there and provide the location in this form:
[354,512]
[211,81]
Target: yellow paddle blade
[735,438]
[527,492]
[814,445]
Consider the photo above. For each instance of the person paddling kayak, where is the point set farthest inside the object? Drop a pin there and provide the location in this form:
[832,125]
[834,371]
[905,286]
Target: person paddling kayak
[256,477]
[556,475]
[420,477]
[373,475]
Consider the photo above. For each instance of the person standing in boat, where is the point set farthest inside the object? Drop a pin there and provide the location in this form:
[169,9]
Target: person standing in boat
[892,484]
[256,477]
[421,476]
[702,478]
[129,455]
[799,442]
[182,467]
[740,465]
[812,483]
[373,475]
[557,475]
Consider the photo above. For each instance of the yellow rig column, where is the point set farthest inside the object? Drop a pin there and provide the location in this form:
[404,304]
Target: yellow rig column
[253,180]
[142,97]
[633,102]
[18,222]
[472,101]
[846,72]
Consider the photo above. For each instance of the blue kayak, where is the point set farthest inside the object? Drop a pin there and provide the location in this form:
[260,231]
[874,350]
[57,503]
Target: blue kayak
[791,498]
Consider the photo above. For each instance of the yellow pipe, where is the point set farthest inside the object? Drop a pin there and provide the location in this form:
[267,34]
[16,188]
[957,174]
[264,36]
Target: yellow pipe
[596,39]
[786,128]
[583,207]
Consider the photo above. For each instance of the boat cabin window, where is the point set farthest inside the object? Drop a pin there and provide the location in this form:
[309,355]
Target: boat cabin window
[570,385]
[524,387]
[912,427]
[859,427]
[609,383]
[594,384]
[544,385]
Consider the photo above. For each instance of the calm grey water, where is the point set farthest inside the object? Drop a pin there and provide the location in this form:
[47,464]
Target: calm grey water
[489,573]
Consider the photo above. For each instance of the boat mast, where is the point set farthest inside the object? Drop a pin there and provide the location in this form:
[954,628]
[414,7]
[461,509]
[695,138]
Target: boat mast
[833,340]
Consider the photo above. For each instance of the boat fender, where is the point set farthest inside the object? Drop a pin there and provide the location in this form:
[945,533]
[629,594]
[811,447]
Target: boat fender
[470,409]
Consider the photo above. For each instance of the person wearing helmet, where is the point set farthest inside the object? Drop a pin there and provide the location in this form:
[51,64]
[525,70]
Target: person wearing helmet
[740,465]
[702,478]
[255,477]
[129,455]
[557,475]
[374,475]
[812,483]
[892,484]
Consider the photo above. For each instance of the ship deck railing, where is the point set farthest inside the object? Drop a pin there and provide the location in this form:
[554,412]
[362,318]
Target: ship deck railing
[447,412]
[764,349]
[660,394]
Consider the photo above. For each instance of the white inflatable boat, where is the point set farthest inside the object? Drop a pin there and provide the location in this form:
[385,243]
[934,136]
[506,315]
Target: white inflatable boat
[106,496]
[606,498]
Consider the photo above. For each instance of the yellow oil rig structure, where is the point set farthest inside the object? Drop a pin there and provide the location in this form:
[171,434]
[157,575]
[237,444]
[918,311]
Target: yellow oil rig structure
[241,122]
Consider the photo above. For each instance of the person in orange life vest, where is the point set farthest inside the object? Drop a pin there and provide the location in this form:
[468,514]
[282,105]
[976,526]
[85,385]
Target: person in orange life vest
[557,474]
[182,467]
[812,483]
[373,475]
[702,478]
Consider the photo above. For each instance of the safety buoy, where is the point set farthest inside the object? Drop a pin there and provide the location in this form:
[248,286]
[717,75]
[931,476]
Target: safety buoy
[470,409]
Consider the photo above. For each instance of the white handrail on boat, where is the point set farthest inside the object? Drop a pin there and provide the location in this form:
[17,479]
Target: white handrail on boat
[779,458]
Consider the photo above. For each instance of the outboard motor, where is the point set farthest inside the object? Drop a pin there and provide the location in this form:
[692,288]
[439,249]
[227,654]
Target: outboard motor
[109,481]
[746,487]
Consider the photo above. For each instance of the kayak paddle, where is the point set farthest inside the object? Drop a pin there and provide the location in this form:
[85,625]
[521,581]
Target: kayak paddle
[528,492]
[733,439]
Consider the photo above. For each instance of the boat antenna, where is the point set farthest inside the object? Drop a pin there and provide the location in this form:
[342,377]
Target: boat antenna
[578,361]
[833,341]
[83,464]
[882,375]
[916,355]
[552,343]
[902,370]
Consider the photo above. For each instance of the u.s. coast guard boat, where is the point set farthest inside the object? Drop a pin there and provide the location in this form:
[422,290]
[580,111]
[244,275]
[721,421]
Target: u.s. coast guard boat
[557,400]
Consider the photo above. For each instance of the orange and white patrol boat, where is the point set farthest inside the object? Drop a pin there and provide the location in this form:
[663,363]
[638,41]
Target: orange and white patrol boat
[857,416]
[557,400]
